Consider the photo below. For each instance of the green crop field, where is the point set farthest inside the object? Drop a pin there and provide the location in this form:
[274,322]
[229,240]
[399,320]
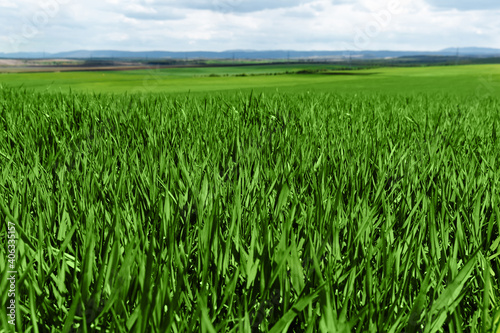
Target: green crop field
[459,80]
[266,203]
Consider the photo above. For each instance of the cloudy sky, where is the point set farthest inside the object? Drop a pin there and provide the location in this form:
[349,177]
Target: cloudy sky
[217,25]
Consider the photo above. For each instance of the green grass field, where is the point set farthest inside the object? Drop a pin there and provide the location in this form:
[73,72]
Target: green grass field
[481,80]
[364,203]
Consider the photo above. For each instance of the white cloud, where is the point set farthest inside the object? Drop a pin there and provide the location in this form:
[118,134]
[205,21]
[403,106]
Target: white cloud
[216,25]
[7,4]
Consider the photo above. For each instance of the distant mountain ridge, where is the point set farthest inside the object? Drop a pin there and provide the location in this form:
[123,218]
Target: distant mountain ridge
[252,54]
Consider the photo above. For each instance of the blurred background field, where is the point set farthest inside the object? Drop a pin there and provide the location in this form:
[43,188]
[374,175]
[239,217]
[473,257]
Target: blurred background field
[480,80]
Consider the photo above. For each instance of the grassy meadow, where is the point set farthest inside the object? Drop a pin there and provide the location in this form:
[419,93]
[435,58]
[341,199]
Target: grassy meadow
[479,80]
[266,203]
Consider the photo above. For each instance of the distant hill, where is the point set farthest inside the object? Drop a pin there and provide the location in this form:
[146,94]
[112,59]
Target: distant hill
[251,54]
[473,51]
